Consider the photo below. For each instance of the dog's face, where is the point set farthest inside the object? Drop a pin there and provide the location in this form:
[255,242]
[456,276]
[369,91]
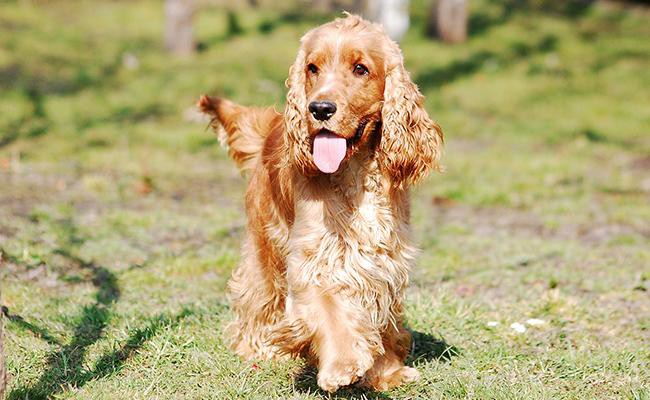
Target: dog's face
[344,89]
[347,86]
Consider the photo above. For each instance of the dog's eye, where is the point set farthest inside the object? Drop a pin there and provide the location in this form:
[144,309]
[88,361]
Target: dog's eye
[312,68]
[360,70]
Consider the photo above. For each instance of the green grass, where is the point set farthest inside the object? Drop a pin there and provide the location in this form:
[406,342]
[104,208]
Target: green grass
[120,217]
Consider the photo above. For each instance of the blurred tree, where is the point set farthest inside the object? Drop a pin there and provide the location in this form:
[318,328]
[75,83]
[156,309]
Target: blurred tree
[335,6]
[392,14]
[2,357]
[233,27]
[323,5]
[179,35]
[448,20]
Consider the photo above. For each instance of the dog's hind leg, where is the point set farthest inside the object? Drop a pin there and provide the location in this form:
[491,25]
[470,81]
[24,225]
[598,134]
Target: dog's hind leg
[257,299]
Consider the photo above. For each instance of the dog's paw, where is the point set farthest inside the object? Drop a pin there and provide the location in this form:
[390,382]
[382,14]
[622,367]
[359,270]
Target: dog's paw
[406,375]
[338,374]
[399,377]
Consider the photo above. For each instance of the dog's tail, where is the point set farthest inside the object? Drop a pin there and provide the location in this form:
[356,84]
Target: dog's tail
[242,129]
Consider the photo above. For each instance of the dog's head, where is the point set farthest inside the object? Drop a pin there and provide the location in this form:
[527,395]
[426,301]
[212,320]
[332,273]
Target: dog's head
[348,89]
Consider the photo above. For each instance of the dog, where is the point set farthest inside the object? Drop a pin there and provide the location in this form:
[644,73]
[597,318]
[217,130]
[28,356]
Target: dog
[326,255]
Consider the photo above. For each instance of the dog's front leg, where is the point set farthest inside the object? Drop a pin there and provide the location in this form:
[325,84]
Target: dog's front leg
[389,370]
[343,343]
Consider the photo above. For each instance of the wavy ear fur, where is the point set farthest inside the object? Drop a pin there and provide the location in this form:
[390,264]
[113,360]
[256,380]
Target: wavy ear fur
[297,137]
[411,142]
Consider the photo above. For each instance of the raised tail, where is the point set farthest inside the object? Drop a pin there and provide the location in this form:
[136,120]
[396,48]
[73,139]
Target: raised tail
[242,129]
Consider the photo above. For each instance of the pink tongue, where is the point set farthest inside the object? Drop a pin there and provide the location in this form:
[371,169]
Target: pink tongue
[329,151]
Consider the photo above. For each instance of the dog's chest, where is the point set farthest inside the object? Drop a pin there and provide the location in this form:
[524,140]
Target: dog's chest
[351,232]
[370,219]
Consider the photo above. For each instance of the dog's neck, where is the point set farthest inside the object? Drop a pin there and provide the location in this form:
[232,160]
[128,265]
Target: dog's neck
[360,183]
[359,175]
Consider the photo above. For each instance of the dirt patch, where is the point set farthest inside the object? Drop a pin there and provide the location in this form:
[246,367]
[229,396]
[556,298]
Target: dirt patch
[641,164]
[490,220]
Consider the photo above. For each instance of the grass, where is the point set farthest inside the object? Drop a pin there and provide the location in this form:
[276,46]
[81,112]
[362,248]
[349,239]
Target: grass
[120,216]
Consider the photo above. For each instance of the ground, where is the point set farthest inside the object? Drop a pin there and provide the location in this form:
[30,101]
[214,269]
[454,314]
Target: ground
[121,217]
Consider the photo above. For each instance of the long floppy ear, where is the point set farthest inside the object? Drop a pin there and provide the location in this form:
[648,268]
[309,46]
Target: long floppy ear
[297,137]
[411,142]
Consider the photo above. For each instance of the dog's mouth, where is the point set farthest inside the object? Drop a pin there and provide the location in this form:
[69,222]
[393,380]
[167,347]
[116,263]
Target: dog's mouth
[358,134]
[330,149]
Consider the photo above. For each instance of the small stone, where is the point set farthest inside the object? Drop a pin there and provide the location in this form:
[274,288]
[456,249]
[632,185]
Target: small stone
[535,322]
[130,61]
[519,328]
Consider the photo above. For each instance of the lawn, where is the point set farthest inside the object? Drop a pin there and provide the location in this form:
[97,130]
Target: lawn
[121,217]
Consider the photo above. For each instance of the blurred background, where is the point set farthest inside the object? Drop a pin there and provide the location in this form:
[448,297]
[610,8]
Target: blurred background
[121,217]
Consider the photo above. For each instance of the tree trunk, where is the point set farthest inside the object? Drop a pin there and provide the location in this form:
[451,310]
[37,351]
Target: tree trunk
[448,20]
[3,373]
[393,15]
[357,6]
[322,5]
[179,35]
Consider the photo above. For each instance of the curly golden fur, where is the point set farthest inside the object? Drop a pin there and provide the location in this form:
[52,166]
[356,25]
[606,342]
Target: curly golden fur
[326,256]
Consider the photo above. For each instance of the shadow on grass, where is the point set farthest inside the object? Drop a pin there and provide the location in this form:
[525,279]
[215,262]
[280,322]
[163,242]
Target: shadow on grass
[59,76]
[64,75]
[426,348]
[305,382]
[571,9]
[480,23]
[32,124]
[122,115]
[21,323]
[437,77]
[112,362]
[295,17]
[266,26]
[65,367]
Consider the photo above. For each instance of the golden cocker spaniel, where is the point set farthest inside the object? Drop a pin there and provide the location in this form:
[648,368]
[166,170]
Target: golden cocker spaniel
[327,252]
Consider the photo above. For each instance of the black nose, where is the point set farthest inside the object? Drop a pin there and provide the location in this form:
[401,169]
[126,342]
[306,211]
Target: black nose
[322,110]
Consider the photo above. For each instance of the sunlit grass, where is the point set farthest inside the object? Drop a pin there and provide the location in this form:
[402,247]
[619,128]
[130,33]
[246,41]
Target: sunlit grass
[120,217]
